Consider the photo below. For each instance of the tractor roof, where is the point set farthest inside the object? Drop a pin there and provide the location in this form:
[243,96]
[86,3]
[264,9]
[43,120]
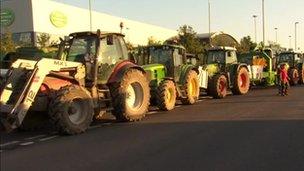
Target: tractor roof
[225,48]
[289,52]
[170,46]
[92,33]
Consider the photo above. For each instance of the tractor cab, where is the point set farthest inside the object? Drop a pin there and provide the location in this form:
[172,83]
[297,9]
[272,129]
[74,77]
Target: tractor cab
[290,58]
[169,58]
[96,50]
[219,59]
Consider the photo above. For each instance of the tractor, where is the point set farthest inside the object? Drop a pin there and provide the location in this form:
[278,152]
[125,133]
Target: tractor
[171,78]
[294,62]
[222,71]
[261,63]
[91,75]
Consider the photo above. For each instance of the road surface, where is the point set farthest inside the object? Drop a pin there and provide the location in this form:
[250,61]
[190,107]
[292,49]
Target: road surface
[259,131]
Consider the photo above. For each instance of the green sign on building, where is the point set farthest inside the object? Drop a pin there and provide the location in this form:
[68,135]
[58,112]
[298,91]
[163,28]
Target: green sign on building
[58,19]
[7,17]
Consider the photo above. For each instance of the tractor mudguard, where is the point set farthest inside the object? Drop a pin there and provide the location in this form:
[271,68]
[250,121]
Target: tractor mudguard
[120,69]
[184,71]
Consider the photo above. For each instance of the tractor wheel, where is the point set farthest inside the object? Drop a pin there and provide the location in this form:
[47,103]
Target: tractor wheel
[71,110]
[166,95]
[294,77]
[131,96]
[218,86]
[191,88]
[241,82]
[301,81]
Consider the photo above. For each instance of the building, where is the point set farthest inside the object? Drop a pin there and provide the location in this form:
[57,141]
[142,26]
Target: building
[27,19]
[218,39]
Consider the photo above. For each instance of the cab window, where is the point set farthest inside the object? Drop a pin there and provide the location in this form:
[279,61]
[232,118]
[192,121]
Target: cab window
[110,53]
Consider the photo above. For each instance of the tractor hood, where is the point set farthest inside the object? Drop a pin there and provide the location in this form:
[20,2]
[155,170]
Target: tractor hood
[155,71]
[212,69]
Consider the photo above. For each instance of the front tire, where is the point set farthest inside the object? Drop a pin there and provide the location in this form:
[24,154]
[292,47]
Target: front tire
[71,110]
[218,86]
[131,96]
[166,95]
[241,82]
[191,88]
[294,77]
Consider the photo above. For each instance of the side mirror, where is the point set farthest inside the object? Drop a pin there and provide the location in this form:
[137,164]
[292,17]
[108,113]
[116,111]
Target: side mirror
[110,40]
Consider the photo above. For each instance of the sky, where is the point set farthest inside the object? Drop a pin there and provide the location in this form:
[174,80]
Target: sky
[231,16]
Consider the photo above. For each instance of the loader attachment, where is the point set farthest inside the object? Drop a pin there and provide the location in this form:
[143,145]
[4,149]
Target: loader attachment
[22,85]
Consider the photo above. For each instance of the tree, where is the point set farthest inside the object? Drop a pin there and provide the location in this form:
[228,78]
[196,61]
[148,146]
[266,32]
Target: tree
[246,45]
[153,41]
[7,43]
[188,38]
[43,40]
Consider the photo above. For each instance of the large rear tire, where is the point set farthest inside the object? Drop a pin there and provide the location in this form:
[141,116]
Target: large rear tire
[294,76]
[166,95]
[71,110]
[218,86]
[131,96]
[241,82]
[192,89]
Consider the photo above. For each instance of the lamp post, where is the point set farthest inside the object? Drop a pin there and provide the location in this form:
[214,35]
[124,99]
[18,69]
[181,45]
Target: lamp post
[90,9]
[263,14]
[296,47]
[290,42]
[255,28]
[209,20]
[276,35]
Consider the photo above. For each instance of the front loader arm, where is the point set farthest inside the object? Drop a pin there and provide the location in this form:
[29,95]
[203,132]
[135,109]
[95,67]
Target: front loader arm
[24,83]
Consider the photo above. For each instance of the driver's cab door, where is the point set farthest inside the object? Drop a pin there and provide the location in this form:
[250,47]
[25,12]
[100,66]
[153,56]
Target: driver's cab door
[230,58]
[178,61]
[112,50]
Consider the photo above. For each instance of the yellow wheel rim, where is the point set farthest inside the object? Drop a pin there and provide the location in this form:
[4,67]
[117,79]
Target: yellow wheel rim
[169,95]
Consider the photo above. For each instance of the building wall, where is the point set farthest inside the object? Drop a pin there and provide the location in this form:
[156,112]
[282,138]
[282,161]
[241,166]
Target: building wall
[22,24]
[73,19]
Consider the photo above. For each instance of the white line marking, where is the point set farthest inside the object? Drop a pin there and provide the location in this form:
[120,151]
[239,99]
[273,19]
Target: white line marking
[35,137]
[48,138]
[9,143]
[27,143]
[152,112]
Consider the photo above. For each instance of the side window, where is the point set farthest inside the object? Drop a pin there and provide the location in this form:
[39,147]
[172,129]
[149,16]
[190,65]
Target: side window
[110,54]
[123,48]
[231,57]
[178,58]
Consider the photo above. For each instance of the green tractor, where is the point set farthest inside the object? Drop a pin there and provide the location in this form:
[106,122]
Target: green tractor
[170,76]
[262,67]
[222,71]
[294,61]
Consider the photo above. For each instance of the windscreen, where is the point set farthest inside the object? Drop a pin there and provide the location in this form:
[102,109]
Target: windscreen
[82,47]
[160,55]
[216,57]
[286,57]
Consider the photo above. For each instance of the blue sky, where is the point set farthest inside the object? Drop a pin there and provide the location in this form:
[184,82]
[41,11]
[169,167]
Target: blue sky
[231,16]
